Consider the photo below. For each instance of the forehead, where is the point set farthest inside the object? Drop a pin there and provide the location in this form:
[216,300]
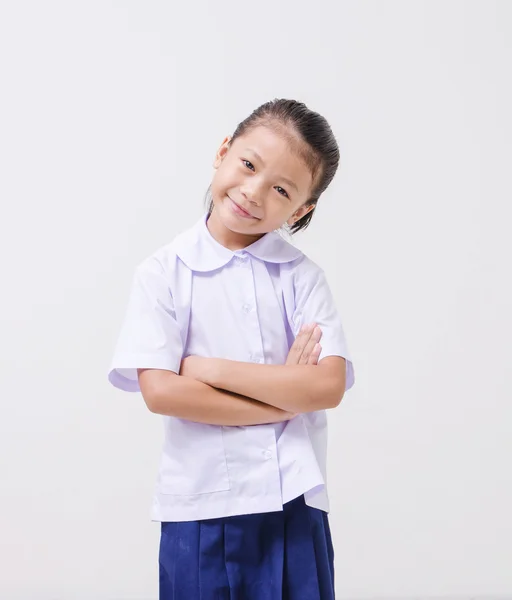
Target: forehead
[280,150]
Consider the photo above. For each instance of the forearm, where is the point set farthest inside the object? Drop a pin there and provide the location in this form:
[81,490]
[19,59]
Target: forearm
[294,388]
[193,400]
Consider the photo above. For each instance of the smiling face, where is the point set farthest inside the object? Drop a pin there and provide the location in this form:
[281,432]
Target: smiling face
[261,182]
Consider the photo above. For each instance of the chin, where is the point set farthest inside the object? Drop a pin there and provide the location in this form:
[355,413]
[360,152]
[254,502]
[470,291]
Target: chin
[234,222]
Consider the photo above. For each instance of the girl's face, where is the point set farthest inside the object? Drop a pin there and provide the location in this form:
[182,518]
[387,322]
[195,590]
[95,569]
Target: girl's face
[260,183]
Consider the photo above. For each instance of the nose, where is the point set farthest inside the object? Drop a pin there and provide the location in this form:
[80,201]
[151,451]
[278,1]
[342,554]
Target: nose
[250,190]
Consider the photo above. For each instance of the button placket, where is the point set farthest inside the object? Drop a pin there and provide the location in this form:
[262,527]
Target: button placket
[249,310]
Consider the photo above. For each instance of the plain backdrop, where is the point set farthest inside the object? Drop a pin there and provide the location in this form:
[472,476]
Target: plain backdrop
[111,113]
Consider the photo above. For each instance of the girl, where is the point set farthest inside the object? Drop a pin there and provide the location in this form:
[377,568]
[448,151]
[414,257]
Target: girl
[221,337]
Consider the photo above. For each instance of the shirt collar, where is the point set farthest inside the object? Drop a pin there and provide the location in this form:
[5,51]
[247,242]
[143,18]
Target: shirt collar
[201,252]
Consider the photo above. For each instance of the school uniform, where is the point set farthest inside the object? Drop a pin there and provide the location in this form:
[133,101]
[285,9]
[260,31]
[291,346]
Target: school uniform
[243,509]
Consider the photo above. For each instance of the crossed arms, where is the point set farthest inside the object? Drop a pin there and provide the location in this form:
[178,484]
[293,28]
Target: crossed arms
[223,392]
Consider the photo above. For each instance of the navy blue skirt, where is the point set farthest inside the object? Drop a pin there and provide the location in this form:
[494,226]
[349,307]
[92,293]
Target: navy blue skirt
[284,555]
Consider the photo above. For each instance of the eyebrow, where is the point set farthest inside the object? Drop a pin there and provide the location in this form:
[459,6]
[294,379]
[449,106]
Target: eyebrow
[285,179]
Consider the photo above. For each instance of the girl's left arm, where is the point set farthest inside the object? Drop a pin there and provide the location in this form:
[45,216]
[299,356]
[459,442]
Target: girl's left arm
[294,388]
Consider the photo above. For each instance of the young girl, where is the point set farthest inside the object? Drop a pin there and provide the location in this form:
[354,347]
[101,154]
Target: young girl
[221,337]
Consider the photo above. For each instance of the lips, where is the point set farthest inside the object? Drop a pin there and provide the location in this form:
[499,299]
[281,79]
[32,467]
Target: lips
[241,211]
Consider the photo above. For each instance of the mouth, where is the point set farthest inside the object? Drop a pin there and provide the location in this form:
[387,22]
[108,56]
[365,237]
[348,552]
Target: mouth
[240,211]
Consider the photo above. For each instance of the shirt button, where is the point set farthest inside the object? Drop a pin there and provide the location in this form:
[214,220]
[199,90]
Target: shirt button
[246,308]
[255,358]
[267,454]
[240,257]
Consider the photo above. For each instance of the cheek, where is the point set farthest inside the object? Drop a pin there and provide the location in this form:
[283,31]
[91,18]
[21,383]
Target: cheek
[277,213]
[217,183]
[222,178]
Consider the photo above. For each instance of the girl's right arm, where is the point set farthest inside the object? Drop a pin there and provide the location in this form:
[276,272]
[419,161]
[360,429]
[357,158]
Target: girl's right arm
[169,394]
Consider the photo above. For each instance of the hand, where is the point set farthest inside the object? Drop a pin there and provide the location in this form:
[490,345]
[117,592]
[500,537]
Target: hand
[306,349]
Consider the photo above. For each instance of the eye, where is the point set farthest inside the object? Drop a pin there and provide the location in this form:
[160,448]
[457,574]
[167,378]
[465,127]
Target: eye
[248,164]
[282,191]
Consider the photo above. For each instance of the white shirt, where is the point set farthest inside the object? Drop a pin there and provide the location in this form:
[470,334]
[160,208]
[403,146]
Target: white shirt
[196,297]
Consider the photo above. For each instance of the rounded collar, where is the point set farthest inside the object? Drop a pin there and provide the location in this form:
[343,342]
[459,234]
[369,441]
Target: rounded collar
[200,251]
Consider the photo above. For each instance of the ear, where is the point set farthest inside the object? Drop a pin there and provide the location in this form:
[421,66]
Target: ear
[221,152]
[299,213]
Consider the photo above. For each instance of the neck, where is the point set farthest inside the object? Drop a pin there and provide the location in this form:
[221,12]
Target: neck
[227,238]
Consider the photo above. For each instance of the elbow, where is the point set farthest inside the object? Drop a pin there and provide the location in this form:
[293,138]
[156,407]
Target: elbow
[153,400]
[328,395]
[162,400]
[336,399]
[335,392]
[154,387]
[332,381]
[153,404]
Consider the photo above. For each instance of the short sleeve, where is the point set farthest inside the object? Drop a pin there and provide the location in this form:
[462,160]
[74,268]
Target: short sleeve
[314,303]
[150,337]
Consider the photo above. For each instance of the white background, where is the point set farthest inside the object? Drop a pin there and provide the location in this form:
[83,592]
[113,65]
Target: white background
[111,113]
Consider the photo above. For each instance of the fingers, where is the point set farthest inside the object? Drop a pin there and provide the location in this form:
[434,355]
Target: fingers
[315,355]
[310,347]
[299,344]
[306,349]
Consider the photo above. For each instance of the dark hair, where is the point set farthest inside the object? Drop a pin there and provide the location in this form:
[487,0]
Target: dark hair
[319,149]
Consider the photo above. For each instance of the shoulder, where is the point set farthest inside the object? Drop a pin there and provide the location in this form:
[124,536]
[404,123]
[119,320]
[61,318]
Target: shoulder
[165,259]
[302,269]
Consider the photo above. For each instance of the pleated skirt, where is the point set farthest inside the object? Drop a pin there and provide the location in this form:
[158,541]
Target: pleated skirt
[284,555]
